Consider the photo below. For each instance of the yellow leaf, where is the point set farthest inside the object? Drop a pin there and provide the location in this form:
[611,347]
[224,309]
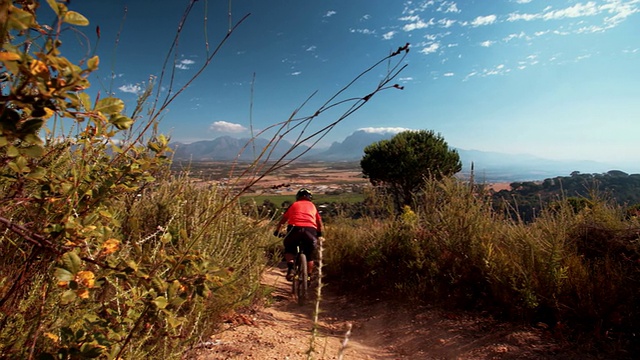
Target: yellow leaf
[110,246]
[9,56]
[37,67]
[48,113]
[86,278]
[51,336]
[75,18]
[83,294]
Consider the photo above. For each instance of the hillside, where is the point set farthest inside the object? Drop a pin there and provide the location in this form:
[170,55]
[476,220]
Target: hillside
[488,166]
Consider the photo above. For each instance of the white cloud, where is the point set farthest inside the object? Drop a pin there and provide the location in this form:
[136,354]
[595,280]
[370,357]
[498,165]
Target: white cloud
[384,130]
[419,24]
[363,31]
[365,17]
[526,17]
[430,49]
[311,48]
[446,23]
[405,79]
[330,13]
[296,73]
[226,127]
[487,43]
[484,20]
[389,35]
[514,36]
[523,1]
[620,10]
[184,64]
[410,18]
[130,88]
[449,7]
[449,74]
[577,10]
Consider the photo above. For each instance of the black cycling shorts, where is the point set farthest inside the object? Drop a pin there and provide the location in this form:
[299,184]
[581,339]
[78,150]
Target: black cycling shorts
[305,237]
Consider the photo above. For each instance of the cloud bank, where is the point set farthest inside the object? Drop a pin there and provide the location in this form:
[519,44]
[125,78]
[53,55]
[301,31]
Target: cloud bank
[227,127]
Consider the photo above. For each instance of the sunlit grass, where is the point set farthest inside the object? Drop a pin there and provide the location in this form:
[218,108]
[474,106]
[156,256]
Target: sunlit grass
[575,270]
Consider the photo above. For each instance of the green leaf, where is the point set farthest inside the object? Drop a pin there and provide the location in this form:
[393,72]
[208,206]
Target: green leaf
[110,106]
[34,151]
[121,122]
[71,261]
[132,264]
[33,139]
[85,100]
[68,297]
[12,151]
[3,141]
[19,19]
[174,322]
[63,274]
[91,318]
[32,125]
[93,63]
[55,6]
[91,350]
[37,174]
[75,18]
[161,302]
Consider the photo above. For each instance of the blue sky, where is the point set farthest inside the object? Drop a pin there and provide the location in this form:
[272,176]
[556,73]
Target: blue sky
[557,79]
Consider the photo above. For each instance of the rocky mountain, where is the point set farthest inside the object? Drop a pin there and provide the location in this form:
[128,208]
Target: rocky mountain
[488,166]
[351,149]
[227,148]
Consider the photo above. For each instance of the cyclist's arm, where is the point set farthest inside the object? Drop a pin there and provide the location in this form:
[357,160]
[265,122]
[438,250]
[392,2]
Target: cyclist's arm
[282,221]
[319,224]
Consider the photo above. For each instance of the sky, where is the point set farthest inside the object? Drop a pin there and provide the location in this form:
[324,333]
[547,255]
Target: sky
[557,79]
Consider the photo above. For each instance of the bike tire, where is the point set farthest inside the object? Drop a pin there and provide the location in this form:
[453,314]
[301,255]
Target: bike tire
[302,279]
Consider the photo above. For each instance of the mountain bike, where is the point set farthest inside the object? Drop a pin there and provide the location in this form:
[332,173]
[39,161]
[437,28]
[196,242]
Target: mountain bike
[300,283]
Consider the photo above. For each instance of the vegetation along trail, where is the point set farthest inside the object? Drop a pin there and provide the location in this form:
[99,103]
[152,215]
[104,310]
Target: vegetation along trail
[381,329]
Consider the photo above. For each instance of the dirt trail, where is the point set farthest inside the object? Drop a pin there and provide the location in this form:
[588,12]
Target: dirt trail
[381,330]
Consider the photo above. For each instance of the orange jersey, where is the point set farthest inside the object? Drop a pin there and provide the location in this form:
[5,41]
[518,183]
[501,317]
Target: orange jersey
[303,213]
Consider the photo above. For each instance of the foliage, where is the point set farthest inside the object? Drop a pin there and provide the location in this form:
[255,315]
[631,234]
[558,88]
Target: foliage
[105,254]
[575,272]
[81,278]
[402,162]
[526,199]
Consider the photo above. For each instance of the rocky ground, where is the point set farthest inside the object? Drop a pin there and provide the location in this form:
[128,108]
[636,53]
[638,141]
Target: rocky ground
[380,329]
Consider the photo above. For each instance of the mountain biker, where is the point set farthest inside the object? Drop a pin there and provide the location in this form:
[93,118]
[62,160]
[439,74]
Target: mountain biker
[303,229]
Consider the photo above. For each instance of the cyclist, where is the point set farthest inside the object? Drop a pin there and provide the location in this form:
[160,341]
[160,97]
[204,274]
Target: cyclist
[303,229]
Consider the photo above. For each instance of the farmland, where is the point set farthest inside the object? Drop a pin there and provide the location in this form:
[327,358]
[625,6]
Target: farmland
[340,181]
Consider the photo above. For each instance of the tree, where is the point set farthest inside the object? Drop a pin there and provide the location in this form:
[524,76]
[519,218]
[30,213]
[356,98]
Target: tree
[402,163]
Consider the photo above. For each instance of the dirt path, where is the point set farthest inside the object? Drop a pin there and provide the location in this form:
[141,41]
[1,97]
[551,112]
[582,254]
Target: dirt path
[380,330]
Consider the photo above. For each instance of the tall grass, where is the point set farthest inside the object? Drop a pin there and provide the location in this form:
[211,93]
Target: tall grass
[570,269]
[226,259]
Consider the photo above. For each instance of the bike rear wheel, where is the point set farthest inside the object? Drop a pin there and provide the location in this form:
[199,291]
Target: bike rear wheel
[301,279]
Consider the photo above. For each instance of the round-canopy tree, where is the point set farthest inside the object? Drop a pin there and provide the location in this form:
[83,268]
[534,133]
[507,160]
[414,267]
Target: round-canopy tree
[402,162]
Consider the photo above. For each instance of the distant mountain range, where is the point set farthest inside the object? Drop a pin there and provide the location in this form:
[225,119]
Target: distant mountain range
[488,166]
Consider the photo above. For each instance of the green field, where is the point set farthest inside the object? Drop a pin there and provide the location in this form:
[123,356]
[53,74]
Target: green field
[349,198]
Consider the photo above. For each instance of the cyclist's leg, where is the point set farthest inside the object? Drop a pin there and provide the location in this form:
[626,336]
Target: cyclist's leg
[290,249]
[309,245]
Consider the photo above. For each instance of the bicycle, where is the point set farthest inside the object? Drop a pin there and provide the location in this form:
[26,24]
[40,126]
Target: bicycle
[301,277]
[300,283]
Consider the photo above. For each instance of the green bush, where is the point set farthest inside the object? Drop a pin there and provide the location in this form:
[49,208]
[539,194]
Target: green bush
[571,268]
[104,255]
